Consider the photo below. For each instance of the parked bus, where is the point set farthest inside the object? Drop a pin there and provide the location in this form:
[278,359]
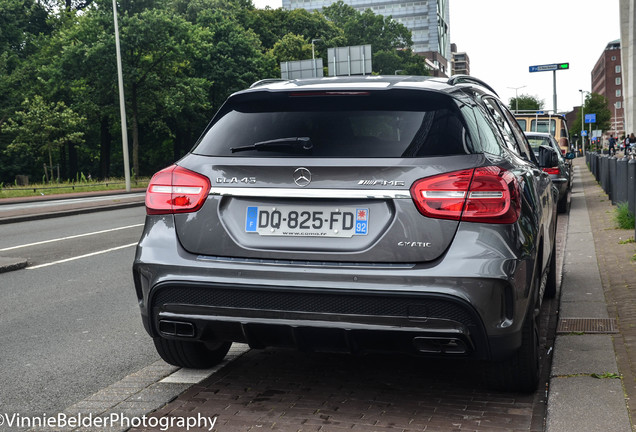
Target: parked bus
[555,124]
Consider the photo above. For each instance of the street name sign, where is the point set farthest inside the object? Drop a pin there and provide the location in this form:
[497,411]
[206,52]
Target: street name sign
[550,67]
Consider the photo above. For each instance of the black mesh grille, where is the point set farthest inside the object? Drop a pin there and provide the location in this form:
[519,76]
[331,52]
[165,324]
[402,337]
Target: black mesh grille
[330,302]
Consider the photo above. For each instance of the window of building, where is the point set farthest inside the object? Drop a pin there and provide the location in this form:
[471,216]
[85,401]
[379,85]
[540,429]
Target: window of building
[618,69]
[618,81]
[613,58]
[619,105]
[619,93]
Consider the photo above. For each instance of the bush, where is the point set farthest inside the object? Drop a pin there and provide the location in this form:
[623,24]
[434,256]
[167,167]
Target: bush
[623,217]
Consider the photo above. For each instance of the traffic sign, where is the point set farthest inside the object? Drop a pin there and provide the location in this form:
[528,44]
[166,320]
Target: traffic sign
[550,67]
[583,133]
[590,118]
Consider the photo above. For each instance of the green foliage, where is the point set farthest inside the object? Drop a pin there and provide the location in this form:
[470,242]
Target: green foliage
[623,217]
[181,59]
[43,128]
[594,104]
[525,103]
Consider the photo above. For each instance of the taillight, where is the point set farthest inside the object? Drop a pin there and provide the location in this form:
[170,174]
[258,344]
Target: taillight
[176,190]
[487,194]
[551,170]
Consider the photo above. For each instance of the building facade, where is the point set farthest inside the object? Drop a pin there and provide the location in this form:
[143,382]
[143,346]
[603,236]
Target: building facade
[428,21]
[460,62]
[628,61]
[607,80]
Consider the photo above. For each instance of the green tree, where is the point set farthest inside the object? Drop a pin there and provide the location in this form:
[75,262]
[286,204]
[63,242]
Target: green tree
[44,127]
[291,47]
[361,28]
[390,41]
[594,104]
[525,103]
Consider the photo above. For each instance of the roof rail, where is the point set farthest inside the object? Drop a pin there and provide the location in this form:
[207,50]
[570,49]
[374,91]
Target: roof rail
[267,81]
[459,79]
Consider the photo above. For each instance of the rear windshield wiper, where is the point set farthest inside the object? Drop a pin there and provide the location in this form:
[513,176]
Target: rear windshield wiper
[300,144]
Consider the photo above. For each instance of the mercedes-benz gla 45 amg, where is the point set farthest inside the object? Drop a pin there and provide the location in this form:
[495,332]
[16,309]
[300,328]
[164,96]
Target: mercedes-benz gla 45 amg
[357,214]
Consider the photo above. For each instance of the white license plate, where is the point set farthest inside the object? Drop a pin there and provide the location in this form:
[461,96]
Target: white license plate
[300,221]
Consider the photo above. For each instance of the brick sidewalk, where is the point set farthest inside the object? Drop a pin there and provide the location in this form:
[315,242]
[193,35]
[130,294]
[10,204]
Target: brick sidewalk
[617,268]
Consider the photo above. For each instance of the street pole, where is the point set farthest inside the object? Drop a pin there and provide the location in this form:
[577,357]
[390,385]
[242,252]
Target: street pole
[313,55]
[582,124]
[554,97]
[122,102]
[516,97]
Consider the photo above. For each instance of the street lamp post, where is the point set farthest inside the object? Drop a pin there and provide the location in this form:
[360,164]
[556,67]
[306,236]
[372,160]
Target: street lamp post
[516,97]
[313,54]
[583,121]
[122,103]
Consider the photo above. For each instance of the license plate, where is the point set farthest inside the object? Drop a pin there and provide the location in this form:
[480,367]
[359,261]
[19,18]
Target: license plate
[296,221]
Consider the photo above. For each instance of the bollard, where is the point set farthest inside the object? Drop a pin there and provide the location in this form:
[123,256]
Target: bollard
[620,186]
[631,185]
[604,172]
[611,185]
[594,157]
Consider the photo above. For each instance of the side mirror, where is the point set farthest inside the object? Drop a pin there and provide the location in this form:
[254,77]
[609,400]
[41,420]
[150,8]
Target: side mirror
[547,157]
[570,155]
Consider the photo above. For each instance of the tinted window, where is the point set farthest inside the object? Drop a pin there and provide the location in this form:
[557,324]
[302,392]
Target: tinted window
[398,124]
[502,123]
[478,120]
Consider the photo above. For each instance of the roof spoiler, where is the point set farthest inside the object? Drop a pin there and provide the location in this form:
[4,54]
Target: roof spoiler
[267,81]
[459,79]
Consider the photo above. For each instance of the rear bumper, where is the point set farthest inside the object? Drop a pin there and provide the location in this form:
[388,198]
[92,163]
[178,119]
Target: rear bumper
[437,308]
[325,320]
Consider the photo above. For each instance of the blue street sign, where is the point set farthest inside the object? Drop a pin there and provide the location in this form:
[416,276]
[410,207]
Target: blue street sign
[549,67]
[583,133]
[590,118]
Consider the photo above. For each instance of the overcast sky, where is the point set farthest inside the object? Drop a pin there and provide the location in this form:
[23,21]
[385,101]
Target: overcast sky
[503,38]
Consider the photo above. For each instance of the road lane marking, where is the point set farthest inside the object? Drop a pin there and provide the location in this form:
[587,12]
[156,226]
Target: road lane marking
[69,237]
[81,256]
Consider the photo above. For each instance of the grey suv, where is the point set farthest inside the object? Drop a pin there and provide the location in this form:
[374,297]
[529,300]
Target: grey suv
[358,214]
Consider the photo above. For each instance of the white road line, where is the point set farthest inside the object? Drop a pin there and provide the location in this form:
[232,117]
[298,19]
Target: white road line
[69,237]
[81,256]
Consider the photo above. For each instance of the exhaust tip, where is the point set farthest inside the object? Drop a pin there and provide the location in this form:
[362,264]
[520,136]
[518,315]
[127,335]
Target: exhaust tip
[176,328]
[433,345]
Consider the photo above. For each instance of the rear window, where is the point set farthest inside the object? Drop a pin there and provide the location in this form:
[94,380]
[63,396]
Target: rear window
[358,124]
[522,123]
[541,125]
[536,142]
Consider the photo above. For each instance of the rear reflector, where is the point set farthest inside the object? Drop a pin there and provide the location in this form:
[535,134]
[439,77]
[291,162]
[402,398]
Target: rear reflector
[176,190]
[486,194]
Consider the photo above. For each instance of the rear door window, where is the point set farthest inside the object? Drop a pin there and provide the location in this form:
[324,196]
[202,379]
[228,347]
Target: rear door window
[400,124]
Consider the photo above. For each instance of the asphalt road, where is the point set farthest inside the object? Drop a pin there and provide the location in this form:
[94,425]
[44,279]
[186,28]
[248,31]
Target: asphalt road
[69,323]
[70,326]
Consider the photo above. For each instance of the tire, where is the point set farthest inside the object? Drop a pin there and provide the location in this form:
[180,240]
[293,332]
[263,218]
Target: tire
[521,371]
[191,354]
[551,282]
[563,206]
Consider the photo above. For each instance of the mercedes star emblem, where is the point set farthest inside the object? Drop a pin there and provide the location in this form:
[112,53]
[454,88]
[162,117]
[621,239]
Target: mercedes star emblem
[302,177]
